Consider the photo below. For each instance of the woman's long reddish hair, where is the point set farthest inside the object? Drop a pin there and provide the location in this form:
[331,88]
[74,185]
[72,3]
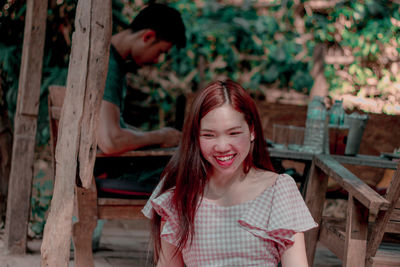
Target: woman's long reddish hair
[187,169]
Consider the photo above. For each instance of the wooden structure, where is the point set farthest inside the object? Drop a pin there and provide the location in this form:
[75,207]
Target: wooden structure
[88,206]
[25,123]
[76,148]
[76,145]
[356,240]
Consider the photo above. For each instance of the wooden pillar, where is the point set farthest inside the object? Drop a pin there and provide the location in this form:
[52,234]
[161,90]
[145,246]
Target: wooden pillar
[25,123]
[356,233]
[384,216]
[5,154]
[76,136]
[320,86]
[315,198]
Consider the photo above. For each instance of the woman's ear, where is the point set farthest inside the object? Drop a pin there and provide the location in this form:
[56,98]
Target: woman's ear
[252,135]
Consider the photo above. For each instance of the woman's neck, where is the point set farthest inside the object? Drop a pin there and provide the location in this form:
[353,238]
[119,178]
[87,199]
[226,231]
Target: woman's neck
[228,191]
[218,184]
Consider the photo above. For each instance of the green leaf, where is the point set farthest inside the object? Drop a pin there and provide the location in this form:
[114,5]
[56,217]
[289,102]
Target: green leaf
[271,74]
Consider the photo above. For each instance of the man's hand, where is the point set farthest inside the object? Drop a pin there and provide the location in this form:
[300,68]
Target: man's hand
[170,136]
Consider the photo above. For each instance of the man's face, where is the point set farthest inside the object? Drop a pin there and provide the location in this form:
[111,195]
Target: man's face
[151,52]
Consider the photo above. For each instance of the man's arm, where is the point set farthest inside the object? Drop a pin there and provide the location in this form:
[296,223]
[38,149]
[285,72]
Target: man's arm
[111,138]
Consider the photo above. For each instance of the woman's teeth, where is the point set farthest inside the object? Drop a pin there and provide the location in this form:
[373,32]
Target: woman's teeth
[226,158]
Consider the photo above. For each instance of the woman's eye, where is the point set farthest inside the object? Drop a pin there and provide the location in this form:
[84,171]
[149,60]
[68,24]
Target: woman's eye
[206,135]
[235,133]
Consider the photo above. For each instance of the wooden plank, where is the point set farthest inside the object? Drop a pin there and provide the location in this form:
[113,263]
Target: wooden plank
[356,233]
[315,197]
[100,37]
[363,160]
[386,257]
[32,58]
[366,160]
[289,154]
[383,217]
[82,230]
[25,123]
[20,187]
[351,183]
[54,103]
[170,151]
[5,156]
[120,202]
[393,227]
[121,212]
[57,233]
[333,239]
[395,215]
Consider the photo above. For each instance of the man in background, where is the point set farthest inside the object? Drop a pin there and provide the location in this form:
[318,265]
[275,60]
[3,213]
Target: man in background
[152,33]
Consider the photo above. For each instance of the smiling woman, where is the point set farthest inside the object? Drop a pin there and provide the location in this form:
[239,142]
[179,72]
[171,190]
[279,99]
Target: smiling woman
[225,140]
[221,184]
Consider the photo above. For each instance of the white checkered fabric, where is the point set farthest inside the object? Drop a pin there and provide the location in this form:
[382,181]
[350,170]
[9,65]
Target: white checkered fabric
[254,233]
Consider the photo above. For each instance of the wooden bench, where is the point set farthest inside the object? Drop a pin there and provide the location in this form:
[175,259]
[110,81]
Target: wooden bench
[363,238]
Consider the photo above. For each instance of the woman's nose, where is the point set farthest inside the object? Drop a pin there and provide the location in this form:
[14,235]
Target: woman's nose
[221,144]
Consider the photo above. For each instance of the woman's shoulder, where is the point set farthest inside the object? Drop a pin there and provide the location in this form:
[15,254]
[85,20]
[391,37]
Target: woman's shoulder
[285,180]
[268,178]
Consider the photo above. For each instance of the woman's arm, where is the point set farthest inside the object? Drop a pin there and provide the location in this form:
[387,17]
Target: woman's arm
[168,257]
[296,254]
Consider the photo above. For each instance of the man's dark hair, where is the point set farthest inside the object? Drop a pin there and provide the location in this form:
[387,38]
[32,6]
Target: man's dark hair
[164,20]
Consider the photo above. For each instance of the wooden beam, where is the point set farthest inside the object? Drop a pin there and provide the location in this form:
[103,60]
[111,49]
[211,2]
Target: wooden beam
[383,217]
[315,198]
[351,183]
[332,238]
[100,37]
[5,155]
[356,233]
[25,124]
[90,44]
[121,212]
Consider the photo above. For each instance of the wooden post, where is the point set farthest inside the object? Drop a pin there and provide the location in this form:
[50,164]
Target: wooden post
[315,198]
[25,123]
[320,86]
[356,233]
[85,85]
[5,154]
[393,195]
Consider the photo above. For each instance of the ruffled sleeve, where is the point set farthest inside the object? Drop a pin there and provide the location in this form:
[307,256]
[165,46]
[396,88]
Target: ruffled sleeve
[148,208]
[279,214]
[162,204]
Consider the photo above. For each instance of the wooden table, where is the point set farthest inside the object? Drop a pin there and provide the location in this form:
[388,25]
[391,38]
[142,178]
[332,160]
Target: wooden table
[279,153]
[145,152]
[363,160]
[359,159]
[306,158]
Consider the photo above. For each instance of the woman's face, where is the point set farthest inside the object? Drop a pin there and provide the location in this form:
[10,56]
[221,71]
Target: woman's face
[225,139]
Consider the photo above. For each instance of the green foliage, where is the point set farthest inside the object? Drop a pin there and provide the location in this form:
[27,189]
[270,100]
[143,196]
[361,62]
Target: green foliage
[40,202]
[245,40]
[234,42]
[369,30]
[257,49]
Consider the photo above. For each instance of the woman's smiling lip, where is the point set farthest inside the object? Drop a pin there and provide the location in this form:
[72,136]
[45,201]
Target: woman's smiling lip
[225,160]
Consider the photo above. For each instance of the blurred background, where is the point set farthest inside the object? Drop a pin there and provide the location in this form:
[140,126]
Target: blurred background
[283,52]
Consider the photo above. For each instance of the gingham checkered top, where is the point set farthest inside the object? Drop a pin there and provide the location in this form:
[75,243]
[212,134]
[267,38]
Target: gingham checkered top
[253,233]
